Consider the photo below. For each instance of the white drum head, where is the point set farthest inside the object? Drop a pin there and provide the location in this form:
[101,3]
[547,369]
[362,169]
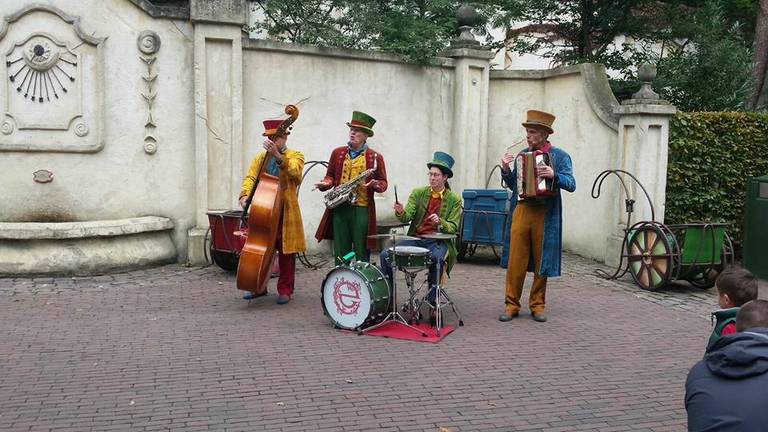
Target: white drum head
[346,298]
[408,250]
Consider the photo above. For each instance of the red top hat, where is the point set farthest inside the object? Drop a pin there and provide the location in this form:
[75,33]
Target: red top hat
[270,127]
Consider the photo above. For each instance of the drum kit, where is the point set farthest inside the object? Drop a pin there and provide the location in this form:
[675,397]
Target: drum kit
[359,297]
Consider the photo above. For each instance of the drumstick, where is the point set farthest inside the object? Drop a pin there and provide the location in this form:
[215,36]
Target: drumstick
[396,200]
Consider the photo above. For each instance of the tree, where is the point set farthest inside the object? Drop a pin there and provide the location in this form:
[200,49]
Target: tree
[578,31]
[416,29]
[710,71]
[759,95]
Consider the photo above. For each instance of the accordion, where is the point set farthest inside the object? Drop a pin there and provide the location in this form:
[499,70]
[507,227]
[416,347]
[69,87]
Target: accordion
[529,184]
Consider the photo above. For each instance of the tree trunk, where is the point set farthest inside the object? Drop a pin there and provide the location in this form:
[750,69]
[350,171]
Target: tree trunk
[760,58]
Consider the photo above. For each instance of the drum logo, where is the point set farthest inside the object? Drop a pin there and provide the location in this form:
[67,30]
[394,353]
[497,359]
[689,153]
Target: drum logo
[346,296]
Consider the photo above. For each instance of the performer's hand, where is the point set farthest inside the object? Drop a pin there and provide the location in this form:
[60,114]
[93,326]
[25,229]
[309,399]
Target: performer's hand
[434,219]
[398,208]
[271,147]
[506,159]
[545,171]
[372,184]
[322,185]
[242,200]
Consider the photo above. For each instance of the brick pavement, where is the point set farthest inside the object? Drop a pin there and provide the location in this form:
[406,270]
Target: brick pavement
[175,348]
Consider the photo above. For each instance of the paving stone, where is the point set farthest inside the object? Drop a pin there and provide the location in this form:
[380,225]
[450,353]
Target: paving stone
[177,348]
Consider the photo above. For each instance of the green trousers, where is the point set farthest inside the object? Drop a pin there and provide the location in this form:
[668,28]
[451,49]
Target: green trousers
[350,232]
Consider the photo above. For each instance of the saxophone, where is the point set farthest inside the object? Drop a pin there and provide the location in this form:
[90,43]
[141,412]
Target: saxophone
[346,192]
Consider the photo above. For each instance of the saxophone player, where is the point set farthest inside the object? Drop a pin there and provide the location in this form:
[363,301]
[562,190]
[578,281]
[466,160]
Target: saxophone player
[349,224]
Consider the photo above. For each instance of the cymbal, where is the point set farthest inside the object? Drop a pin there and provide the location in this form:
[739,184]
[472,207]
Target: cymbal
[390,236]
[439,236]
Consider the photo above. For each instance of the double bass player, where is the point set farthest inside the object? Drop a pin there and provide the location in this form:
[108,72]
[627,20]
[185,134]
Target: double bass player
[286,165]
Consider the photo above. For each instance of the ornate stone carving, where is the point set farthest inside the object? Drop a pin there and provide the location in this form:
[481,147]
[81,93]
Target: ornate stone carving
[42,176]
[81,129]
[49,60]
[149,44]
[6,128]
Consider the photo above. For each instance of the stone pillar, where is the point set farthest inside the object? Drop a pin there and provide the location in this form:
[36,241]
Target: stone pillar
[469,133]
[643,145]
[218,75]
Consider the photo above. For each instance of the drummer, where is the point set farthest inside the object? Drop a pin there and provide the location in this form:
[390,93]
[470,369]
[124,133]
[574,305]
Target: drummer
[431,209]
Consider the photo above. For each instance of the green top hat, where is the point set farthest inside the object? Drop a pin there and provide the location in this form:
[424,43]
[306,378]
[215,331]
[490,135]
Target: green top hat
[361,120]
[443,161]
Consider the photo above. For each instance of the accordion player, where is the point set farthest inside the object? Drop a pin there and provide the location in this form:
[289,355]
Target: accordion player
[529,183]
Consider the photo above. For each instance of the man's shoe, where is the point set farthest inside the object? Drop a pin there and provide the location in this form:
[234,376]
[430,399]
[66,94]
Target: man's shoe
[508,317]
[539,317]
[248,295]
[283,299]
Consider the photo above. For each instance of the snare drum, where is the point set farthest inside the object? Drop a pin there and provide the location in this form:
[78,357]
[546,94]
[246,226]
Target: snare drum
[410,257]
[355,296]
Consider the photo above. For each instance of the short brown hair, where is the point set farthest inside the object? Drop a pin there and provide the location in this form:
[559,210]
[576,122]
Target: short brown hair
[739,283]
[751,315]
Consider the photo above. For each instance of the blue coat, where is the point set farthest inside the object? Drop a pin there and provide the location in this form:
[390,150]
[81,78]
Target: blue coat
[553,220]
[728,390]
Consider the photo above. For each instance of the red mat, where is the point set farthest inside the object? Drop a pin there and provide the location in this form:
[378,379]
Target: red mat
[398,330]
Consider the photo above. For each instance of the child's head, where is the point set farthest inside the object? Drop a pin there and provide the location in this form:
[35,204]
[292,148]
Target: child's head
[735,286]
[753,314]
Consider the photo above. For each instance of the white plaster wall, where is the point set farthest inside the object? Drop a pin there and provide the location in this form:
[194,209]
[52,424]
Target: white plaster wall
[413,106]
[121,180]
[578,130]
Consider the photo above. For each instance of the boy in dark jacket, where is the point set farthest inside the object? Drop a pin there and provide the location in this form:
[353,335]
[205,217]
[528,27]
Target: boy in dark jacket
[728,389]
[735,286]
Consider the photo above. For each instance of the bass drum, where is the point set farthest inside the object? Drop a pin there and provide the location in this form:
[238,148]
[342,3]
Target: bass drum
[355,296]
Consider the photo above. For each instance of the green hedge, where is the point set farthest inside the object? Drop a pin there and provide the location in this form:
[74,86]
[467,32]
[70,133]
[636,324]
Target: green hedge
[711,154]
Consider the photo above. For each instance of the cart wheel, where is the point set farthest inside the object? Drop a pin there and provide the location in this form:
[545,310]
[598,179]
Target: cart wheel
[650,257]
[225,260]
[461,247]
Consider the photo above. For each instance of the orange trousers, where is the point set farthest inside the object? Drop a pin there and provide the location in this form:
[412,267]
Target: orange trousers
[525,241]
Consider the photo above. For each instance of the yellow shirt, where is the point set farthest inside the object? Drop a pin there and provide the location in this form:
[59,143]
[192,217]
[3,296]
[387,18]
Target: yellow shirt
[351,169]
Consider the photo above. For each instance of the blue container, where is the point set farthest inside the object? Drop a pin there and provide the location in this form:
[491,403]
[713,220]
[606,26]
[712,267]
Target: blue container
[485,215]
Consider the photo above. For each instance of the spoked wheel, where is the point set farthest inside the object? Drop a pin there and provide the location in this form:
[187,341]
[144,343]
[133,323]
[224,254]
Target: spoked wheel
[650,255]
[706,278]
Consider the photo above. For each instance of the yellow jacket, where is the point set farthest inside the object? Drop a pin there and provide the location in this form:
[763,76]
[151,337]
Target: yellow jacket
[290,178]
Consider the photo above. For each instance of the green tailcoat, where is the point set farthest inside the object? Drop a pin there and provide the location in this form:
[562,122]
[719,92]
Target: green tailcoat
[450,216]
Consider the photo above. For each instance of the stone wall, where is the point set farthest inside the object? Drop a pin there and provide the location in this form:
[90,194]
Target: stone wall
[164,116]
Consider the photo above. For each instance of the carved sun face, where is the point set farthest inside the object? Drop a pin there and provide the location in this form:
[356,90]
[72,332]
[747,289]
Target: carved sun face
[41,68]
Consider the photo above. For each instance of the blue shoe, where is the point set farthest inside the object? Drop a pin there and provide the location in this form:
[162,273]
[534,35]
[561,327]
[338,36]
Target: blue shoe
[249,295]
[283,299]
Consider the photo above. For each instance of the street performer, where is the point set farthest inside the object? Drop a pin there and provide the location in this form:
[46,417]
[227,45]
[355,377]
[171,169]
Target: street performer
[287,165]
[535,242]
[431,209]
[349,224]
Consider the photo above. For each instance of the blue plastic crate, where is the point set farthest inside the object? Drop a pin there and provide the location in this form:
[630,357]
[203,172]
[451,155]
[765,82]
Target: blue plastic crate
[485,215]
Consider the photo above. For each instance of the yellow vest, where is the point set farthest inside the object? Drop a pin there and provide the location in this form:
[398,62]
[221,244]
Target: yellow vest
[351,169]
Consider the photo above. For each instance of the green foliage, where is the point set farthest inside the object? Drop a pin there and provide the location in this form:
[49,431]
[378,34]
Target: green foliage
[712,71]
[416,29]
[577,31]
[710,157]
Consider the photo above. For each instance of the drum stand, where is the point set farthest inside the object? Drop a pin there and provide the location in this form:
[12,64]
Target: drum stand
[393,315]
[442,301]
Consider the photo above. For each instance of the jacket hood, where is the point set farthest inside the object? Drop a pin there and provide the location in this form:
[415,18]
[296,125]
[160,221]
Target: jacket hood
[739,355]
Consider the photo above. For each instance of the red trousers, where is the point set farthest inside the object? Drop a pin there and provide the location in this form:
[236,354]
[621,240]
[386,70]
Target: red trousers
[287,263]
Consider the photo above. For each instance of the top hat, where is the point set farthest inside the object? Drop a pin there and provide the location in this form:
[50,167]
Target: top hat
[442,161]
[363,121]
[270,127]
[540,119]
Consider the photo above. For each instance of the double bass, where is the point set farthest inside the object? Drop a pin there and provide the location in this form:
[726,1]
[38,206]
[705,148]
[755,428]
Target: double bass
[265,202]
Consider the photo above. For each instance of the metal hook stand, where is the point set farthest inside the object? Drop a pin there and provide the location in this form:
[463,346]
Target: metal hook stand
[629,203]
